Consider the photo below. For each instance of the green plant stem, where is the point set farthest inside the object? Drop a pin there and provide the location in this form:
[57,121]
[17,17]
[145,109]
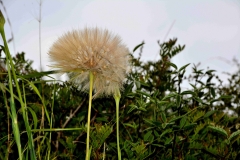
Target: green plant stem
[89,115]
[51,122]
[117,97]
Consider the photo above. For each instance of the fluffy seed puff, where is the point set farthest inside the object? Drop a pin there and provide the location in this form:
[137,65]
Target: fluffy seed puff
[79,52]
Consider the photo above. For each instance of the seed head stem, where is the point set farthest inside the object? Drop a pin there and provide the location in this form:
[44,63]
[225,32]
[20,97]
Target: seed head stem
[117,97]
[89,115]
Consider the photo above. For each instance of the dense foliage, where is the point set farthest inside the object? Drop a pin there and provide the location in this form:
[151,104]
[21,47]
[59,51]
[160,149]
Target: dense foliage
[158,119]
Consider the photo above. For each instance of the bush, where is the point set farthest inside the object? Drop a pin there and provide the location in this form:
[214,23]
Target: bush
[158,119]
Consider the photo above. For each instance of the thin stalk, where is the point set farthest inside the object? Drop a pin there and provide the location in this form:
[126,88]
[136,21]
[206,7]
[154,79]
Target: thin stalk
[50,134]
[89,115]
[40,21]
[26,117]
[117,97]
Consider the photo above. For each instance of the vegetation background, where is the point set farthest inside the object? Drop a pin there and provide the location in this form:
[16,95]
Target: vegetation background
[158,118]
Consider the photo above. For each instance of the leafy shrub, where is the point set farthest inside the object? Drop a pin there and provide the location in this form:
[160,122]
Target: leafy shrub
[158,119]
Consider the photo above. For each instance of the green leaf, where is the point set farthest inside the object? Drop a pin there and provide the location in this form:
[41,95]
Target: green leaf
[198,115]
[218,130]
[160,103]
[169,96]
[142,109]
[195,88]
[176,118]
[198,99]
[183,121]
[163,116]
[138,46]
[189,126]
[200,82]
[199,128]
[209,72]
[138,84]
[133,107]
[131,95]
[144,84]
[173,65]
[2,21]
[147,135]
[225,97]
[143,93]
[234,136]
[179,100]
[148,121]
[220,98]
[183,67]
[35,120]
[156,133]
[164,125]
[38,74]
[36,90]
[134,126]
[212,90]
[188,92]
[209,113]
[166,132]
[168,141]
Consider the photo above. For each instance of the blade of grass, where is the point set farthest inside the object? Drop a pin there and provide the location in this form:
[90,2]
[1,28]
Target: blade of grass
[39,95]
[29,133]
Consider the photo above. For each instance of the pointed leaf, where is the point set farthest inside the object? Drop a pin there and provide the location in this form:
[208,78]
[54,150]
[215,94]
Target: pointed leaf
[138,46]
[209,113]
[234,135]
[188,92]
[169,96]
[183,121]
[183,67]
[35,120]
[147,135]
[219,130]
[163,117]
[173,65]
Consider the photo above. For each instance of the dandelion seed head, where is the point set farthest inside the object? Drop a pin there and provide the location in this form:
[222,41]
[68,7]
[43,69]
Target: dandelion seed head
[79,52]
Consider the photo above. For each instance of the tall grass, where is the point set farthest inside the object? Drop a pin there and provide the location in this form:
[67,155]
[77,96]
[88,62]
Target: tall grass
[12,79]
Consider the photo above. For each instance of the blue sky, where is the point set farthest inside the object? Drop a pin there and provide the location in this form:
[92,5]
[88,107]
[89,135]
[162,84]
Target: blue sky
[210,29]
